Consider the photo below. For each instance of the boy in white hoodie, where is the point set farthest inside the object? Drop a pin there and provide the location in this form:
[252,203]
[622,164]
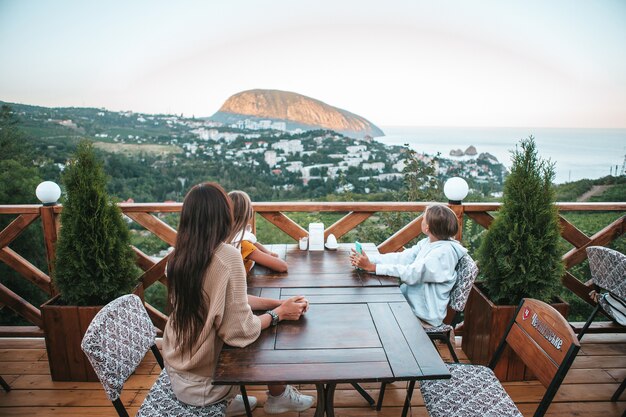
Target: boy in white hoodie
[427,270]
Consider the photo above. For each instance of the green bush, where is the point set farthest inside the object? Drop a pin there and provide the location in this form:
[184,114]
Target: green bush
[519,256]
[94,260]
[19,177]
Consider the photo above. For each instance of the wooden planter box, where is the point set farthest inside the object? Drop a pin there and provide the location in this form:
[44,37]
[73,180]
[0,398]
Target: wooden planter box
[484,327]
[64,328]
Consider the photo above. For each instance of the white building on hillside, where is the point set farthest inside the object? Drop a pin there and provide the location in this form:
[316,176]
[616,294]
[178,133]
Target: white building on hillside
[282,126]
[295,166]
[270,158]
[356,149]
[264,124]
[289,146]
[376,166]
[351,162]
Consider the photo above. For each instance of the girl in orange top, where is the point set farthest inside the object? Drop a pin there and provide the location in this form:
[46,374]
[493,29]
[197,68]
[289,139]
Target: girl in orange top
[280,398]
[252,252]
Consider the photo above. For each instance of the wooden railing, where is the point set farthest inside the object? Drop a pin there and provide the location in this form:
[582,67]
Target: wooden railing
[147,215]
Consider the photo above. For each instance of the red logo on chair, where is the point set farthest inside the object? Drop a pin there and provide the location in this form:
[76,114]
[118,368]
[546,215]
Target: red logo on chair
[526,313]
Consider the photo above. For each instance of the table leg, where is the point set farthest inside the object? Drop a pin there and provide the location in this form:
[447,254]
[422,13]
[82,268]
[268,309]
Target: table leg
[330,400]
[246,404]
[407,400]
[321,401]
[364,394]
[381,395]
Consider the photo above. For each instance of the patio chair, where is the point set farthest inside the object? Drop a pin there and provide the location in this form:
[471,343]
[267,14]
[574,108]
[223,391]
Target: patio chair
[544,341]
[116,342]
[4,384]
[467,271]
[608,273]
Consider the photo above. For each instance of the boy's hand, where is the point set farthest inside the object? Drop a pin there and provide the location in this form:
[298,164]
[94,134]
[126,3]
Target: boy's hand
[362,261]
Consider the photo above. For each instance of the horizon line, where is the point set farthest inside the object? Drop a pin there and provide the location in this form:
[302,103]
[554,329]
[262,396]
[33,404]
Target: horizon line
[376,124]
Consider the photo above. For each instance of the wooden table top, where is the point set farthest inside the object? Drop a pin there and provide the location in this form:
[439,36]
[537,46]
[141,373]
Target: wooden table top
[350,334]
[317,269]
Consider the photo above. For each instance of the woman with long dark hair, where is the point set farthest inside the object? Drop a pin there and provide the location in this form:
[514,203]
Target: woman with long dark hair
[210,305]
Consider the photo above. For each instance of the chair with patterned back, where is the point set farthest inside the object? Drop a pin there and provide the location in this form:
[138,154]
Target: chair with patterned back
[608,273]
[116,342]
[544,341]
[466,273]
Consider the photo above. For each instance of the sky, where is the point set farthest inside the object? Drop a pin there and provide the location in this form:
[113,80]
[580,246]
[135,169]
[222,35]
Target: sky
[559,63]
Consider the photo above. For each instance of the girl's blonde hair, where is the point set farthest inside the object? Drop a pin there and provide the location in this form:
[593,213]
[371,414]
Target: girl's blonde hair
[242,215]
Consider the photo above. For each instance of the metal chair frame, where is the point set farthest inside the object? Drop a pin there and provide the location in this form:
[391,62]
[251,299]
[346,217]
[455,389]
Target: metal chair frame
[444,336]
[598,254]
[5,385]
[557,379]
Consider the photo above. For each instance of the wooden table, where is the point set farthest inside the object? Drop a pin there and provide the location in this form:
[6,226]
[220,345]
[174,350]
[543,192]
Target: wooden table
[317,269]
[350,334]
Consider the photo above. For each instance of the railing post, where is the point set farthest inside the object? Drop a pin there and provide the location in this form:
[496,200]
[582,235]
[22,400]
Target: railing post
[459,210]
[49,225]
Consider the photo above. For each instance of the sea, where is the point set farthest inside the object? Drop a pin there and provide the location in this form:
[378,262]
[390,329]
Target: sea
[576,153]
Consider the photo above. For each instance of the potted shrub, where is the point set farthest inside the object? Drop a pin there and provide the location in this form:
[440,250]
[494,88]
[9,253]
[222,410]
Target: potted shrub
[518,258]
[94,265]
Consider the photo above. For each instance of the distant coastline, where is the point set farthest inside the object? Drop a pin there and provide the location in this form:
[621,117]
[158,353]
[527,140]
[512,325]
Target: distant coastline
[577,153]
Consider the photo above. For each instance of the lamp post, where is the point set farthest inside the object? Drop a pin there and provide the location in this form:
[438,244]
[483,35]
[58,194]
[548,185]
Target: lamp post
[48,192]
[456,190]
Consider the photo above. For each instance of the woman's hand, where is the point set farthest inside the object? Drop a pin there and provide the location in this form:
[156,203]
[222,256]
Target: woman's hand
[274,254]
[362,261]
[292,308]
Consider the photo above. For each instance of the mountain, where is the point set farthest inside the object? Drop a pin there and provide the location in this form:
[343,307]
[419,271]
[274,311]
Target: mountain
[296,110]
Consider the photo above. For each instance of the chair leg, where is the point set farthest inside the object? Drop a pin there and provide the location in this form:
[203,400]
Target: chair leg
[4,384]
[246,404]
[589,320]
[381,395]
[619,391]
[407,400]
[157,355]
[451,348]
[364,394]
[119,407]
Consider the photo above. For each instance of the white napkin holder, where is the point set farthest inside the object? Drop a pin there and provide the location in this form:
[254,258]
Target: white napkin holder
[316,236]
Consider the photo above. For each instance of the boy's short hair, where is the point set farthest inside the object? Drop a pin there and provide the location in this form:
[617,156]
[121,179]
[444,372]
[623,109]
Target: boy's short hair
[442,221]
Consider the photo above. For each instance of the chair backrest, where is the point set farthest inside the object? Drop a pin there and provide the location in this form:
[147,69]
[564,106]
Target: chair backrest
[466,273]
[545,342]
[608,269]
[117,340]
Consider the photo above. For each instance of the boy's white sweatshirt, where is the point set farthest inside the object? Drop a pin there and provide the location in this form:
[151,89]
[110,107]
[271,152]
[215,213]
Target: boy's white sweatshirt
[427,272]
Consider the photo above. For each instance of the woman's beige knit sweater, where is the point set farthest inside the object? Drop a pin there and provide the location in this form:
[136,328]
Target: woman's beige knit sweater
[229,320]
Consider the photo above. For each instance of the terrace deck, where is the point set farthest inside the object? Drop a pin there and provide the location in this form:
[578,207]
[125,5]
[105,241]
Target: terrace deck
[596,373]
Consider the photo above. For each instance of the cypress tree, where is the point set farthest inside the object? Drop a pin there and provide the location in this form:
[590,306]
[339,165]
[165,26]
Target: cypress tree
[94,260]
[519,255]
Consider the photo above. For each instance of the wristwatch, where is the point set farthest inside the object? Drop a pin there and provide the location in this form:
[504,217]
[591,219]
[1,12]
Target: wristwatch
[274,317]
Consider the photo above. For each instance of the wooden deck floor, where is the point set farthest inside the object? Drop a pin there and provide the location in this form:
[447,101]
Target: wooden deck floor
[595,375]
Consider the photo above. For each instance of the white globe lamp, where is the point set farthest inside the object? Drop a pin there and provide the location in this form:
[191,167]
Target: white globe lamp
[456,190]
[48,192]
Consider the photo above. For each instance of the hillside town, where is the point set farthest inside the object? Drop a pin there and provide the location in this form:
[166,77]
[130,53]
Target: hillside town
[289,159]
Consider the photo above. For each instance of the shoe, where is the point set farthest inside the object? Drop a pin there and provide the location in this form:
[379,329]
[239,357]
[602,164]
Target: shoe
[290,400]
[237,408]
